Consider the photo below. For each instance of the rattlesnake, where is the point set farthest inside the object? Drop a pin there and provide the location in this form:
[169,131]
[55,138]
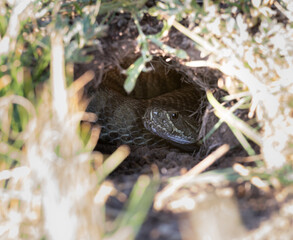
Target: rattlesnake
[165,118]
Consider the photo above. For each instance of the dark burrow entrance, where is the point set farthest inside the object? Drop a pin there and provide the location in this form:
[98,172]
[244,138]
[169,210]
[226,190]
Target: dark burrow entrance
[164,83]
[163,108]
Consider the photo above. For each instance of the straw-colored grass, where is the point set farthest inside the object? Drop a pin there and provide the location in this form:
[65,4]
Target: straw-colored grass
[49,189]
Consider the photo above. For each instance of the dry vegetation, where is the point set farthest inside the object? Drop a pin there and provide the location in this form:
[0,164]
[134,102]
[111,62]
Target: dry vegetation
[49,189]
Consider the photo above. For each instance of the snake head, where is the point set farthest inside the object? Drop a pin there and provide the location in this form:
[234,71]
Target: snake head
[173,125]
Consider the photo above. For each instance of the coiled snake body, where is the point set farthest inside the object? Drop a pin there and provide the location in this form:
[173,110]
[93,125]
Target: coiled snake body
[168,117]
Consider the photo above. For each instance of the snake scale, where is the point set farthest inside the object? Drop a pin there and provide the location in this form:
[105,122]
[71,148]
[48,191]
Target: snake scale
[154,121]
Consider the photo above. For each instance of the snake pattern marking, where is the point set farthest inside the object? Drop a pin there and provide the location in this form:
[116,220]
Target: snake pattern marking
[126,120]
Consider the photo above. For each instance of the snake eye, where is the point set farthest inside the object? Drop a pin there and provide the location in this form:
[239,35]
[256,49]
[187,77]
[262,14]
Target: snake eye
[174,115]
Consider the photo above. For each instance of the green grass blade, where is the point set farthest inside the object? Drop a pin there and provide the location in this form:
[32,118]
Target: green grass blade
[232,120]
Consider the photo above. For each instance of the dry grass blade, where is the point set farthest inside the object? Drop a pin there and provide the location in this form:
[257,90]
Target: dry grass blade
[287,13]
[19,100]
[193,36]
[8,42]
[172,187]
[79,83]
[112,162]
[60,105]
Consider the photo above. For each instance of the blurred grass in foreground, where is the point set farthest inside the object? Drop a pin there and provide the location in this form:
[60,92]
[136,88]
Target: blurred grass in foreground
[49,190]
